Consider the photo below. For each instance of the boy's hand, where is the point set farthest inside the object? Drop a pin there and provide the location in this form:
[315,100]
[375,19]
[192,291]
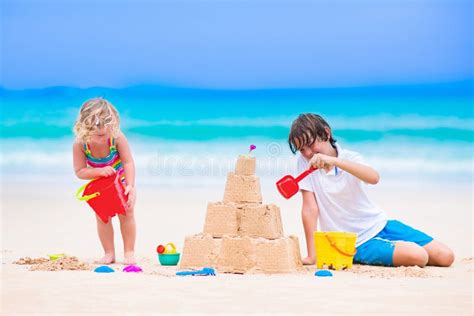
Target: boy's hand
[106,171]
[323,161]
[130,191]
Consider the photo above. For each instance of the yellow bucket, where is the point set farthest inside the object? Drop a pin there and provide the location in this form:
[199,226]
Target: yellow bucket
[334,250]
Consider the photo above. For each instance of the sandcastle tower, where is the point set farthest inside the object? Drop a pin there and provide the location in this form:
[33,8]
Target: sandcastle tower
[242,235]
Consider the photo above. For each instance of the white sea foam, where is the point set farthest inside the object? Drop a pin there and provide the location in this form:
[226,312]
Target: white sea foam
[380,122]
[213,160]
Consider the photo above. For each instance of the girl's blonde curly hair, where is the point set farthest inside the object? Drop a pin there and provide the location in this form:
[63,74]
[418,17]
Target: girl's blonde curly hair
[96,113]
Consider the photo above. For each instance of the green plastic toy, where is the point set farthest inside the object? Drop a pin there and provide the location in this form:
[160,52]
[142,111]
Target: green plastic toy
[169,259]
[56,256]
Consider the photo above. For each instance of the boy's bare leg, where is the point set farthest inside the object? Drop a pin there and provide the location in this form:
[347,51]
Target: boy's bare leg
[409,254]
[106,236]
[129,233]
[309,224]
[439,254]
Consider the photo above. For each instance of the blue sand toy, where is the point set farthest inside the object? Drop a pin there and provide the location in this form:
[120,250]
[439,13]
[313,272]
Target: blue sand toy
[104,269]
[204,272]
[323,273]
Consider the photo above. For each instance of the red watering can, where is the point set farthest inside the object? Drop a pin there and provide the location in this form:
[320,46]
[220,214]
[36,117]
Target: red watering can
[288,186]
[105,195]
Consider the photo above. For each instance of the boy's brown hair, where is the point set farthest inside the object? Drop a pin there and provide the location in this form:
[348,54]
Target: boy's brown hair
[308,128]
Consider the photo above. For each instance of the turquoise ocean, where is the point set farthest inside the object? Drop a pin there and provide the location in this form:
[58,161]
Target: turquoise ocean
[407,132]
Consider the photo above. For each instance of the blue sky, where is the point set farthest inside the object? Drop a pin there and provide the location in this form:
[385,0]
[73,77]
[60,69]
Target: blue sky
[230,44]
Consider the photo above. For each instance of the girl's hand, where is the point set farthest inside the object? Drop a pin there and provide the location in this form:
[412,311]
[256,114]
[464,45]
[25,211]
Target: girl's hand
[321,161]
[130,191]
[106,171]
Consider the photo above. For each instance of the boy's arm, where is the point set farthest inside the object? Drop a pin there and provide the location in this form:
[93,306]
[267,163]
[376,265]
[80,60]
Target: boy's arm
[80,165]
[363,172]
[309,214]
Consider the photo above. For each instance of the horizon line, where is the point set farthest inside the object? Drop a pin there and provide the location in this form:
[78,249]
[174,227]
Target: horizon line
[177,87]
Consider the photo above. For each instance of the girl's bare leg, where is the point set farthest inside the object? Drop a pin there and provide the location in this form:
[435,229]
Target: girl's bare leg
[106,236]
[129,233]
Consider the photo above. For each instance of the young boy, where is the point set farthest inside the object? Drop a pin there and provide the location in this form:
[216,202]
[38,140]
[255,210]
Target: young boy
[335,194]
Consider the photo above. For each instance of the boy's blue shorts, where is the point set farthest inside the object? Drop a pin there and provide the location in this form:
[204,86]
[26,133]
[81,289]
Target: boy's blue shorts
[379,250]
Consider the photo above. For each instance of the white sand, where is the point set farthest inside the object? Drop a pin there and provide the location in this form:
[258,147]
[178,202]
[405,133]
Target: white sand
[37,221]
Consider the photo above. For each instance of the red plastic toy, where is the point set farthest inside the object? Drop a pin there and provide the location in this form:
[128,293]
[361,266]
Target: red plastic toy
[288,186]
[106,196]
[160,249]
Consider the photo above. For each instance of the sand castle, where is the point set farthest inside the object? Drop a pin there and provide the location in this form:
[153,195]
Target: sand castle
[242,235]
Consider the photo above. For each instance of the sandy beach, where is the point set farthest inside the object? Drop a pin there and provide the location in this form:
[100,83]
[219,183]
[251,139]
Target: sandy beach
[203,106]
[49,220]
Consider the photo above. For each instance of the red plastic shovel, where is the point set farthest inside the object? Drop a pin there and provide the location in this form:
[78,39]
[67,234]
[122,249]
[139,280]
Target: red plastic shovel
[288,186]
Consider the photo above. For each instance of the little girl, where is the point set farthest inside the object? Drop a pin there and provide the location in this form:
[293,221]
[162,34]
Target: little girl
[101,150]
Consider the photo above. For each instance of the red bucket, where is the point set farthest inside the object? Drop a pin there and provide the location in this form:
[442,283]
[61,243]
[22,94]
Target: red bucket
[106,196]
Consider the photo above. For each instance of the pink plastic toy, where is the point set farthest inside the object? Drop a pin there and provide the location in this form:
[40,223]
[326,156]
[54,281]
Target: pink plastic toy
[132,268]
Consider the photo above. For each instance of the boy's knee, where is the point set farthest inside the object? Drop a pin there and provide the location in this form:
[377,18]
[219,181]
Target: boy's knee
[420,258]
[445,257]
[416,256]
[439,254]
[448,258]
[410,254]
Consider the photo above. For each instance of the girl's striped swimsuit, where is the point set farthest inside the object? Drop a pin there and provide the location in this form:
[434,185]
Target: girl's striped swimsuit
[112,159]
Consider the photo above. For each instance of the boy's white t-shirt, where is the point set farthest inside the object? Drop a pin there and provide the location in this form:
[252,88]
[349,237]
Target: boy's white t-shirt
[342,199]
